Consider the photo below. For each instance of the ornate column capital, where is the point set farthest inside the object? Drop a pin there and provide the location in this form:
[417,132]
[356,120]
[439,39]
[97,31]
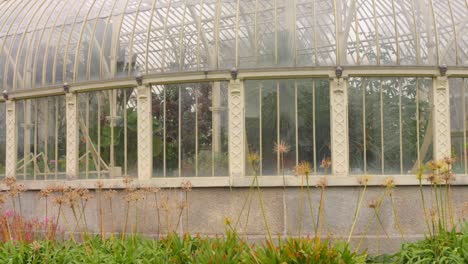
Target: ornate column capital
[145,132]
[339,126]
[11,139]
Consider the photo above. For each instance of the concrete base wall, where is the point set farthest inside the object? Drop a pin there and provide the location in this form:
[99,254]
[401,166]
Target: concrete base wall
[205,210]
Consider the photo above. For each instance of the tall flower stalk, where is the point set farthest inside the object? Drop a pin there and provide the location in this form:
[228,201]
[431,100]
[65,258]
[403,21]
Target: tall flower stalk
[362,181]
[281,149]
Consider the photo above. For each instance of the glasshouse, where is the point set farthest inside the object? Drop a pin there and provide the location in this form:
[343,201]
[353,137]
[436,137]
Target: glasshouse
[343,119]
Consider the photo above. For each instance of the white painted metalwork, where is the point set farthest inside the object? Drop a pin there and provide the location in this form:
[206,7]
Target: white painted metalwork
[11,139]
[339,126]
[143,35]
[72,136]
[145,133]
[442,146]
[184,46]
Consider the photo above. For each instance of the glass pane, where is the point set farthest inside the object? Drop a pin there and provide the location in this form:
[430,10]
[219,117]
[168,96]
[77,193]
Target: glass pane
[398,130]
[459,121]
[356,131]
[301,108]
[108,134]
[194,114]
[391,96]
[41,138]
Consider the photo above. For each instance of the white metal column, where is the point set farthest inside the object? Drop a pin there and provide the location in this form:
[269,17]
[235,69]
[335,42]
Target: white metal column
[441,108]
[72,136]
[339,126]
[145,133]
[11,139]
[236,129]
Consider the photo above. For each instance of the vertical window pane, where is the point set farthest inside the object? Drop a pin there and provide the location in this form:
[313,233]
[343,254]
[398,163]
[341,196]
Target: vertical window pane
[190,130]
[107,124]
[41,138]
[294,112]
[373,121]
[391,95]
[397,135]
[356,130]
[459,123]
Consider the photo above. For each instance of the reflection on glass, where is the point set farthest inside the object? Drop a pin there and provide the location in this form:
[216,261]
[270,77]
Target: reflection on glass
[107,124]
[41,138]
[190,136]
[301,108]
[397,136]
[459,123]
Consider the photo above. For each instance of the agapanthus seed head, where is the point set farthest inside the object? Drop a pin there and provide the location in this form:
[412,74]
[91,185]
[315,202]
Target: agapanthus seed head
[282,147]
[9,181]
[99,185]
[186,186]
[373,204]
[303,168]
[322,182]
[127,180]
[433,178]
[254,159]
[363,180]
[389,182]
[326,163]
[449,160]
[109,194]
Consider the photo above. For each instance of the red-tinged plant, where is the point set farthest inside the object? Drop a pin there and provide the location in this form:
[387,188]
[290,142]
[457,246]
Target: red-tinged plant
[14,227]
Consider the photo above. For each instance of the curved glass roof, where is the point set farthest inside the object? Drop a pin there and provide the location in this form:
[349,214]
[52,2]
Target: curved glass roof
[47,42]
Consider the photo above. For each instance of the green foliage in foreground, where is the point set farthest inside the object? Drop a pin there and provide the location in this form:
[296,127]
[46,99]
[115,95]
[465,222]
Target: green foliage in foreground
[174,249]
[447,247]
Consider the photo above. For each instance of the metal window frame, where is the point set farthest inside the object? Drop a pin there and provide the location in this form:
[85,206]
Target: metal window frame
[253,74]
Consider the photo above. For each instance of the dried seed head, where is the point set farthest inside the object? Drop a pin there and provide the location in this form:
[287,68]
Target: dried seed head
[254,159]
[303,168]
[373,204]
[99,185]
[433,178]
[389,182]
[9,181]
[44,193]
[449,160]
[363,180]
[35,246]
[109,194]
[59,199]
[448,176]
[322,182]
[71,198]
[326,163]
[127,181]
[227,221]
[432,165]
[282,147]
[186,186]
[182,205]
[420,173]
